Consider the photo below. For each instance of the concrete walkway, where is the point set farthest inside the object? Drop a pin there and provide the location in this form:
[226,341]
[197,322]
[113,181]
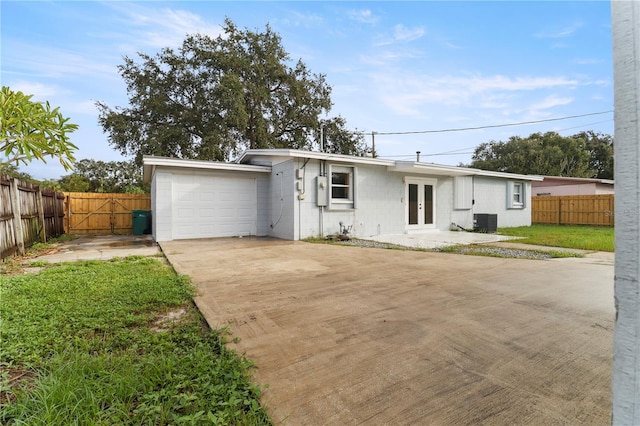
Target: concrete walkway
[436,238]
[101,247]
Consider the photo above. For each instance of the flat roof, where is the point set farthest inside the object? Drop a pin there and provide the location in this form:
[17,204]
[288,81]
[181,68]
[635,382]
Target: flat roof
[392,165]
[150,162]
[240,165]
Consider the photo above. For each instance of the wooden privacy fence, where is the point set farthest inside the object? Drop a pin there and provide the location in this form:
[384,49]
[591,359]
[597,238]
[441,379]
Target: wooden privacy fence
[28,214]
[95,213]
[573,210]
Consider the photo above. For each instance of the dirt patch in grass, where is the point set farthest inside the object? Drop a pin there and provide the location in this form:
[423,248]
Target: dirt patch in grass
[12,378]
[168,320]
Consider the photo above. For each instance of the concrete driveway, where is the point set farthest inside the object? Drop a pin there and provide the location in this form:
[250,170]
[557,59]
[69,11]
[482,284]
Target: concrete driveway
[348,335]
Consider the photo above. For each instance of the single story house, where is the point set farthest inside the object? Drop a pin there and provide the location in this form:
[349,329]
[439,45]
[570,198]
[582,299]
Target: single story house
[558,185]
[294,194]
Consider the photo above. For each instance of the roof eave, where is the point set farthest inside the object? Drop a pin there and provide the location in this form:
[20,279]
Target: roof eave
[151,162]
[325,156]
[438,169]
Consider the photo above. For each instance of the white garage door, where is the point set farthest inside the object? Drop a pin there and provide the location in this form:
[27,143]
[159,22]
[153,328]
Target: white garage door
[213,206]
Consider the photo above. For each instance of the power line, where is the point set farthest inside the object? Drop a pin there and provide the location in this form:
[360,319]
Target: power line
[460,129]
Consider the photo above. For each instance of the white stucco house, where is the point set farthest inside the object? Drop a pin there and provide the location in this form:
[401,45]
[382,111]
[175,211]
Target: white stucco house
[293,194]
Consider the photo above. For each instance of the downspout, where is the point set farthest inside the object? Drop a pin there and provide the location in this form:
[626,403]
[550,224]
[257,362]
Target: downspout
[473,201]
[323,168]
[301,196]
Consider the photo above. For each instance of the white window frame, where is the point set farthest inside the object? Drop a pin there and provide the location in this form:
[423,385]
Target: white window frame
[343,203]
[516,195]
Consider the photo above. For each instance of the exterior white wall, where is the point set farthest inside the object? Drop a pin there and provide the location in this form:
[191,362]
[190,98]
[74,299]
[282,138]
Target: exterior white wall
[161,196]
[264,204]
[490,196]
[379,204]
[444,206]
[282,215]
[626,353]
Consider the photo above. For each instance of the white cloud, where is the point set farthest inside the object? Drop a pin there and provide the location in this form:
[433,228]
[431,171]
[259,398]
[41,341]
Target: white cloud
[412,94]
[298,19]
[551,102]
[160,28]
[586,61]
[404,34]
[364,16]
[401,34]
[52,62]
[563,32]
[385,57]
[41,92]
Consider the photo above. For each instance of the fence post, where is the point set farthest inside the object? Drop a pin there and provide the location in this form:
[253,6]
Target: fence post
[59,227]
[66,221]
[17,216]
[41,223]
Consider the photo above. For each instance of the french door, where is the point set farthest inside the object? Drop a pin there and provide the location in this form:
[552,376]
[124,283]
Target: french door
[421,203]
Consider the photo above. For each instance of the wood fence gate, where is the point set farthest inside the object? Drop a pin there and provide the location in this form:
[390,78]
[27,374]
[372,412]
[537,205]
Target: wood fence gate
[93,213]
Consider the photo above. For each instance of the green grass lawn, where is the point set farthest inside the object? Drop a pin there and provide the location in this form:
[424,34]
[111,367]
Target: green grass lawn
[117,342]
[598,238]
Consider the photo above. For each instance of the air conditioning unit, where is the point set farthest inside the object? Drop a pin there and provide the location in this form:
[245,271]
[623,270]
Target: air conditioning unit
[487,223]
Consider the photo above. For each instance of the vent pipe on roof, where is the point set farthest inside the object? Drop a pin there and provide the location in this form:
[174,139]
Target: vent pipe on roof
[418,156]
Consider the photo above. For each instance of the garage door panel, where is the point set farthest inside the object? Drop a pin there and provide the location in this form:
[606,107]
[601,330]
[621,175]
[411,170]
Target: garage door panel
[213,206]
[245,214]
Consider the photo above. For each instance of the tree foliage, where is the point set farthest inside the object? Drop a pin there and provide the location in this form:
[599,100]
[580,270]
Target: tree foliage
[13,171]
[33,131]
[337,139]
[586,154]
[100,176]
[215,97]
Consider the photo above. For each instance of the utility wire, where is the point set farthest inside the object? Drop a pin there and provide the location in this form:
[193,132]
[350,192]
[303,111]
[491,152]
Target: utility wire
[522,123]
[459,151]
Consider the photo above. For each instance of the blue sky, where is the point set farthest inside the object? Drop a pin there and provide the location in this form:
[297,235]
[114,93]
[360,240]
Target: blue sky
[394,66]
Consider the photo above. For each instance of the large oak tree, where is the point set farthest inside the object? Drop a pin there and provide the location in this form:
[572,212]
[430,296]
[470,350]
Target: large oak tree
[214,97]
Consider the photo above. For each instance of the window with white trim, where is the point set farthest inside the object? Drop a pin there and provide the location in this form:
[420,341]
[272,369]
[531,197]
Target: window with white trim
[342,186]
[515,195]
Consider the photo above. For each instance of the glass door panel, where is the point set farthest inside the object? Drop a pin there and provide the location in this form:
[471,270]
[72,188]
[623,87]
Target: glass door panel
[428,204]
[414,204]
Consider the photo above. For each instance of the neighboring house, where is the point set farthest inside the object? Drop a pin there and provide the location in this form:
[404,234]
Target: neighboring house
[556,185]
[293,194]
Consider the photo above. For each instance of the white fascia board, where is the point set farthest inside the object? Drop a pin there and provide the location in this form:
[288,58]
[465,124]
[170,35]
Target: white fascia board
[295,153]
[394,166]
[442,170]
[151,162]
